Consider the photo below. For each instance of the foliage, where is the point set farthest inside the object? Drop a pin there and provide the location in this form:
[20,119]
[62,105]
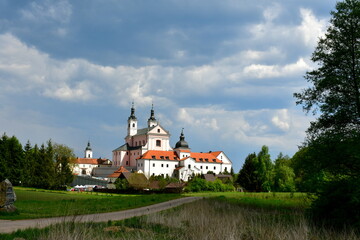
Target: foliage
[283,175]
[198,184]
[332,152]
[122,184]
[44,167]
[247,177]
[257,172]
[338,204]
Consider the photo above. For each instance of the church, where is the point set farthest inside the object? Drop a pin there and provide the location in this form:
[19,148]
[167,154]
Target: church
[148,150]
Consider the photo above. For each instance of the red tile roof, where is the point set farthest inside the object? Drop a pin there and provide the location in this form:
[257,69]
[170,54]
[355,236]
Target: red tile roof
[205,157]
[117,173]
[160,155]
[171,155]
[93,161]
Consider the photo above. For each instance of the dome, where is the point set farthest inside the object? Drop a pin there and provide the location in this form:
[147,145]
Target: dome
[182,143]
[88,147]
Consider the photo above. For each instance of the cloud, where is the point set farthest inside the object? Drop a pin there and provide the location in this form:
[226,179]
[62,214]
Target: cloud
[58,11]
[272,71]
[311,28]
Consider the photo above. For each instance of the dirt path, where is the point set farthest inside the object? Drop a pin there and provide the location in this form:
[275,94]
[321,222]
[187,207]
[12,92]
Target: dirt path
[8,226]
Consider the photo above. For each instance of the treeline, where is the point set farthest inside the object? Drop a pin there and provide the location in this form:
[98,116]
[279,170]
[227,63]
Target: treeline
[260,174]
[33,166]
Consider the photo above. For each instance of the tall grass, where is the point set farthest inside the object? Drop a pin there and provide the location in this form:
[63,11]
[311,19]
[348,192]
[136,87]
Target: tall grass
[206,219]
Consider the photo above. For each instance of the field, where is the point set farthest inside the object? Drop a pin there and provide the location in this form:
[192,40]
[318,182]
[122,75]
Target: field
[229,215]
[37,203]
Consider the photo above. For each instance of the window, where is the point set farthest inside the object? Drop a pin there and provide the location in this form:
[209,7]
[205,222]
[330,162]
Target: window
[167,165]
[153,164]
[167,157]
[176,165]
[207,167]
[158,143]
[153,157]
[133,124]
[127,153]
[214,167]
[127,162]
[162,165]
[200,167]
[189,166]
[158,130]
[225,169]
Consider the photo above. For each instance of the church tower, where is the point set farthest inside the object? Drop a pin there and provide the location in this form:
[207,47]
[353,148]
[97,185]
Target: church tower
[152,121]
[132,122]
[182,147]
[88,151]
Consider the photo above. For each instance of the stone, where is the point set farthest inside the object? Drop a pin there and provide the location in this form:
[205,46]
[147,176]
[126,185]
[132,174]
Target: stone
[7,197]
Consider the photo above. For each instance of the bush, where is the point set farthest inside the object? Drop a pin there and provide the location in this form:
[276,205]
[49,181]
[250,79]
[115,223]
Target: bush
[198,184]
[338,205]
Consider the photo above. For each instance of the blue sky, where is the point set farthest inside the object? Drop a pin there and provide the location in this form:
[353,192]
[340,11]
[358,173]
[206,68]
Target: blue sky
[225,71]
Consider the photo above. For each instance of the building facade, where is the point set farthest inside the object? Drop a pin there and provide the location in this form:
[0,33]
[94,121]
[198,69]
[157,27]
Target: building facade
[148,150]
[86,165]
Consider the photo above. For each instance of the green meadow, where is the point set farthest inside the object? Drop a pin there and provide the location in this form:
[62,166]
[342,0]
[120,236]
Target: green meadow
[38,203]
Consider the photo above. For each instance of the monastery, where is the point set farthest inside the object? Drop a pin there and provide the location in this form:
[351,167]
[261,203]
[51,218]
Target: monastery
[148,150]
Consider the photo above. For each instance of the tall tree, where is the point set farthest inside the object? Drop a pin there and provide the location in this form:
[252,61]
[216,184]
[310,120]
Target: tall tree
[247,177]
[264,168]
[284,176]
[333,140]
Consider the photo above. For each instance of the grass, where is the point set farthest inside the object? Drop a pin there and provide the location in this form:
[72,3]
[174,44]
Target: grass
[36,203]
[212,218]
[280,201]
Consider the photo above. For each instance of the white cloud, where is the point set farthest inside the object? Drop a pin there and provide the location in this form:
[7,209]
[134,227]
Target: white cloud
[311,28]
[276,128]
[271,71]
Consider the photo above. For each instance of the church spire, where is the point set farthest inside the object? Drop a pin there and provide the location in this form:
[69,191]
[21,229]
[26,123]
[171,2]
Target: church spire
[132,115]
[152,120]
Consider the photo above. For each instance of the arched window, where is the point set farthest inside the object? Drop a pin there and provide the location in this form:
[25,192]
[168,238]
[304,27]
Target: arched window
[133,124]
[158,143]
[83,172]
[158,130]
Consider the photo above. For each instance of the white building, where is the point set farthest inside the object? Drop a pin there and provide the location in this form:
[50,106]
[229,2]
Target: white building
[85,166]
[148,149]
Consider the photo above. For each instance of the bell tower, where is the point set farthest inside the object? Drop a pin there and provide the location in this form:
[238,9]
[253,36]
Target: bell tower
[88,151]
[132,122]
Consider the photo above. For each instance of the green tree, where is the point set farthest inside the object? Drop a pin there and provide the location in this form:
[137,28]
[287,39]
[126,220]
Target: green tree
[247,177]
[333,140]
[12,159]
[264,168]
[63,157]
[284,176]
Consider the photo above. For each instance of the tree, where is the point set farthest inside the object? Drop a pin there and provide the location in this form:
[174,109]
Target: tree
[264,168]
[11,159]
[283,174]
[63,157]
[333,140]
[247,177]
[335,83]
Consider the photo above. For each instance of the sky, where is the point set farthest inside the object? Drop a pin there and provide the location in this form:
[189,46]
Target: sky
[225,71]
